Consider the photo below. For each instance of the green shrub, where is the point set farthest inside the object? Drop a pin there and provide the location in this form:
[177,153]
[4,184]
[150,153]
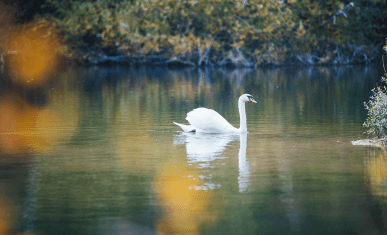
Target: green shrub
[377,108]
[377,111]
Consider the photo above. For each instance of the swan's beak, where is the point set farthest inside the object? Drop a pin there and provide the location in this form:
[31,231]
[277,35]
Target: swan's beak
[252,100]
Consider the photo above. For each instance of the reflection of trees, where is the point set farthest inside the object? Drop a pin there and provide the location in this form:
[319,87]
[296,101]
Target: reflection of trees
[7,217]
[376,176]
[123,111]
[148,98]
[238,74]
[307,95]
[34,121]
[376,172]
[290,203]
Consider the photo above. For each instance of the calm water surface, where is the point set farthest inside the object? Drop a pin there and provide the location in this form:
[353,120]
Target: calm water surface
[96,152]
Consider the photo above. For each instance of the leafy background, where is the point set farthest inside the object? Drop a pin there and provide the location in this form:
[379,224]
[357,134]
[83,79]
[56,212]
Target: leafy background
[248,32]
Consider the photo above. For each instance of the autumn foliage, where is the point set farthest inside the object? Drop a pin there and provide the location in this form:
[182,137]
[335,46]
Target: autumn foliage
[248,32]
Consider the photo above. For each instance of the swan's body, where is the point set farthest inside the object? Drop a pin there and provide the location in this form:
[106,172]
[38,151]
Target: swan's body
[210,121]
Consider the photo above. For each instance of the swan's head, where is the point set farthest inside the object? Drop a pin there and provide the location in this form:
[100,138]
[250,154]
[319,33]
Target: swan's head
[247,98]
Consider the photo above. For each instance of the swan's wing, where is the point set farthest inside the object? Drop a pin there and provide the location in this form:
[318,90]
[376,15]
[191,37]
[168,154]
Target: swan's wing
[186,128]
[208,120]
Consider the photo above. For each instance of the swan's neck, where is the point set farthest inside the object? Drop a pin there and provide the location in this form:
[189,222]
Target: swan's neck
[242,116]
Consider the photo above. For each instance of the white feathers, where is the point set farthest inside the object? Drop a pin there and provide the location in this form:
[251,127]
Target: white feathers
[210,121]
[186,128]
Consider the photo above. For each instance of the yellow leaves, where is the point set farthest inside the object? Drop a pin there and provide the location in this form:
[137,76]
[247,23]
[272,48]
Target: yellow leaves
[173,39]
[216,45]
[237,44]
[268,29]
[301,30]
[205,43]
[175,26]
[182,44]
[209,10]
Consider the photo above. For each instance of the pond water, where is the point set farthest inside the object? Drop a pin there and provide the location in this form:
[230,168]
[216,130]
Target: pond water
[96,152]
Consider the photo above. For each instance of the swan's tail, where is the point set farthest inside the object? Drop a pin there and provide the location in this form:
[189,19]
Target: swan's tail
[186,128]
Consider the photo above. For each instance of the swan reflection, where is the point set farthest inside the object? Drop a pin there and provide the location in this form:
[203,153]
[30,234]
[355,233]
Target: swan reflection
[243,164]
[203,149]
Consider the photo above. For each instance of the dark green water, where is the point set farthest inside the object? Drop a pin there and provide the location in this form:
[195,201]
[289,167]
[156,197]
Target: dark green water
[97,153]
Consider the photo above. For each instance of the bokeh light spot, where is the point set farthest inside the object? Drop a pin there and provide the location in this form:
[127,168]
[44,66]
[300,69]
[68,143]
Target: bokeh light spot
[185,208]
[32,54]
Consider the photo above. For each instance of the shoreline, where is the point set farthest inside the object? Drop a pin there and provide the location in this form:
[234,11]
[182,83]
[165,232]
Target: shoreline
[375,142]
[98,57]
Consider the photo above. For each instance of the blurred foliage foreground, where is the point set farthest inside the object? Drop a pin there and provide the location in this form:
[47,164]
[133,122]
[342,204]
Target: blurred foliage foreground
[243,33]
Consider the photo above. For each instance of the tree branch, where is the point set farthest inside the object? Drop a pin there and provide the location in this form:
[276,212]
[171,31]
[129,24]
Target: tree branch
[341,12]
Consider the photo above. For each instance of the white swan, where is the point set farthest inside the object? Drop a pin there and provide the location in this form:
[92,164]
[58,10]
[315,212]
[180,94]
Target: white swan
[209,121]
